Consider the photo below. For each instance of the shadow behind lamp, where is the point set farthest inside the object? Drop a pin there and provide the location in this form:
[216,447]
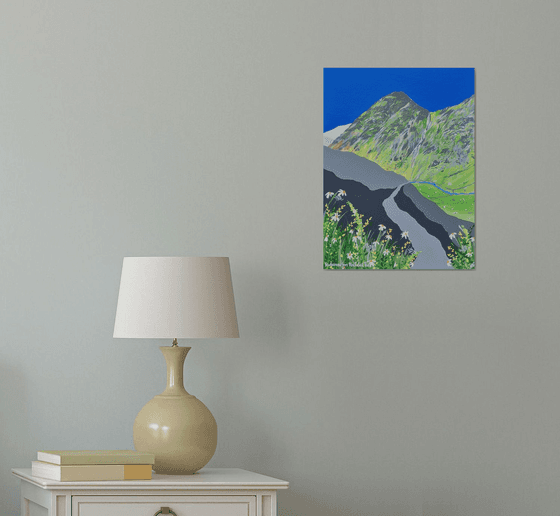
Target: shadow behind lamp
[174,298]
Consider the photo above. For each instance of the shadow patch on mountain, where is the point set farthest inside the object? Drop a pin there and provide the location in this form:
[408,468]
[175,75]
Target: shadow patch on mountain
[368,203]
[347,165]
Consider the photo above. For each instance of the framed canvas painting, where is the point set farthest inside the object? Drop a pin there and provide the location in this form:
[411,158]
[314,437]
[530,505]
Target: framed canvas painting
[398,168]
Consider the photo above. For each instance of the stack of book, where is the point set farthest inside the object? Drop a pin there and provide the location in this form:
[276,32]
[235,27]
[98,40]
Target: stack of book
[86,465]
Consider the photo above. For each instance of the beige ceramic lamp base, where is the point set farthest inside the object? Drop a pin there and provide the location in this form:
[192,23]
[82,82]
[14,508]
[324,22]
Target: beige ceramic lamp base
[175,426]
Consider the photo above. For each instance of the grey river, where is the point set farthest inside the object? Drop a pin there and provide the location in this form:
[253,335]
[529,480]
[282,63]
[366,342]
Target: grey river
[432,254]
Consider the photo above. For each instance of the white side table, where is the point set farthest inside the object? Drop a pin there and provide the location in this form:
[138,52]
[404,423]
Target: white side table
[210,492]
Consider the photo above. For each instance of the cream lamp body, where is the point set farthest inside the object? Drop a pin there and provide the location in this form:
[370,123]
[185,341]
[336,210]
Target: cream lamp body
[175,426]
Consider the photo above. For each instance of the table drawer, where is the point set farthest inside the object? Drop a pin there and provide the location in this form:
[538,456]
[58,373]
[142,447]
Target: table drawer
[209,505]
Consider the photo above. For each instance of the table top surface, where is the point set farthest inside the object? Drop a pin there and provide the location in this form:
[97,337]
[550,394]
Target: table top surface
[206,478]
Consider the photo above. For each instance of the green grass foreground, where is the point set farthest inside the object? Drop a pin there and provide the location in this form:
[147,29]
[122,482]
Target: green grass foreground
[462,249]
[351,247]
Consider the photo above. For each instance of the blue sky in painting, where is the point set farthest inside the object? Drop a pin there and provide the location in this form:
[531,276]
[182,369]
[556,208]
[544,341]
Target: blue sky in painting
[348,92]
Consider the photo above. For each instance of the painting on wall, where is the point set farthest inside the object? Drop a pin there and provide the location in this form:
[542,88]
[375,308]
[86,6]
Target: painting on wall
[398,168]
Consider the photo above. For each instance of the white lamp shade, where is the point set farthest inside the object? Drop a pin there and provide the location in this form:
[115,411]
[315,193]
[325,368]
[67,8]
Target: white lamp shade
[176,297]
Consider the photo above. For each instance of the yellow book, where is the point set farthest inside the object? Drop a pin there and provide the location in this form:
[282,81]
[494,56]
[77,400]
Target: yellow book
[77,457]
[91,471]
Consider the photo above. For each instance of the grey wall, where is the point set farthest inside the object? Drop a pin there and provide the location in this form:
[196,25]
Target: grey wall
[135,128]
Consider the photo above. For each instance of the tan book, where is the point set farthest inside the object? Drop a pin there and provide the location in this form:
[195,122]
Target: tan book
[91,471]
[78,457]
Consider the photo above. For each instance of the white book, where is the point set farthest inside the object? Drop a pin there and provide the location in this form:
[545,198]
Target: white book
[75,457]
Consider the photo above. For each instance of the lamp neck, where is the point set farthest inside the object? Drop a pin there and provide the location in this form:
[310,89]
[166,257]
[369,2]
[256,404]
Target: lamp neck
[175,359]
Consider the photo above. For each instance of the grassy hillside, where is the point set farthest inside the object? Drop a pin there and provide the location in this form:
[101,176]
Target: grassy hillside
[401,136]
[460,206]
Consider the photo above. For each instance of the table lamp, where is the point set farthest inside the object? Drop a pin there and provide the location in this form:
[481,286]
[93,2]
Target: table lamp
[174,298]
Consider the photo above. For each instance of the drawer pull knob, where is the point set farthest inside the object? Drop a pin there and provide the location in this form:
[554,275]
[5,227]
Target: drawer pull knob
[165,510]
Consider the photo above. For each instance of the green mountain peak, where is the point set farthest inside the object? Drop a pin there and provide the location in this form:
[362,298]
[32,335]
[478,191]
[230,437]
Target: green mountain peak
[401,136]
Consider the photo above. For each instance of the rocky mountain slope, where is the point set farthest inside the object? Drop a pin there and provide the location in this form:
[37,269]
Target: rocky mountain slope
[400,136]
